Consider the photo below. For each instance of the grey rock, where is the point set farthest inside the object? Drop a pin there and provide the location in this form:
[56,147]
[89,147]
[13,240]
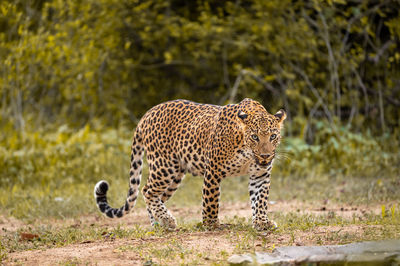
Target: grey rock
[361,253]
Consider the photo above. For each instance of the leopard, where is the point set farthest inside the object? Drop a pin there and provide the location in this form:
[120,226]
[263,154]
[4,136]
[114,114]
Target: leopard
[211,141]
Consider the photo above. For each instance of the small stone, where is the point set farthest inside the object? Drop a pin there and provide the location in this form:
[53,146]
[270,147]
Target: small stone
[148,263]
[239,259]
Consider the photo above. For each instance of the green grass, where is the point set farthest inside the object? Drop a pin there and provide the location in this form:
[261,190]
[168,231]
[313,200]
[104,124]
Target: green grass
[166,246]
[71,201]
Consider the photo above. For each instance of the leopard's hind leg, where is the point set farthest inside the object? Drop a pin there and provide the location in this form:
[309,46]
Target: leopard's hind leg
[173,186]
[161,177]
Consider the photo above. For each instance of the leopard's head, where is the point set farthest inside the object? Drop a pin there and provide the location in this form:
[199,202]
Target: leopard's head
[261,130]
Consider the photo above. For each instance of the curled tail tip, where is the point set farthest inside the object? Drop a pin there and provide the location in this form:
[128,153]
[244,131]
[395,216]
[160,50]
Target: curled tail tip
[100,194]
[101,188]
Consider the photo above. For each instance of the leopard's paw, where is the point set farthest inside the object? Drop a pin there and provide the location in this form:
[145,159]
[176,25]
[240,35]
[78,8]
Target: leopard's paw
[265,225]
[211,224]
[168,222]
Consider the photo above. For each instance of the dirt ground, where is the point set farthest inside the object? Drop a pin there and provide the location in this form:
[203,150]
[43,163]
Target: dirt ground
[200,247]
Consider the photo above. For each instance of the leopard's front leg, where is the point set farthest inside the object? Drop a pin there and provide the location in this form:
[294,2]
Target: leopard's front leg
[259,192]
[211,195]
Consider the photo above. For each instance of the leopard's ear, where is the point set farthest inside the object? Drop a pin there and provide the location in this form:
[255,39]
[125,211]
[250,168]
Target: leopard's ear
[280,115]
[242,115]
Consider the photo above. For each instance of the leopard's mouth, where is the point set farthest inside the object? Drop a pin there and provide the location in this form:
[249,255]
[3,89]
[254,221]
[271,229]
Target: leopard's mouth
[263,163]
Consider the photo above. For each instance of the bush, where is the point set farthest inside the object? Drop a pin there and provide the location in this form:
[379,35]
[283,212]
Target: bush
[339,152]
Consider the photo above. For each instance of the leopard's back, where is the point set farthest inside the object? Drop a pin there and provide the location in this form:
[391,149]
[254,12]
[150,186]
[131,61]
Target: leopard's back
[179,130]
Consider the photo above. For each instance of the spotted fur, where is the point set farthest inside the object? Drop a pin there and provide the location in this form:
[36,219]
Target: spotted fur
[205,140]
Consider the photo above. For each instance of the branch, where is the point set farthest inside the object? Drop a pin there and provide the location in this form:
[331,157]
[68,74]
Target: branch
[364,89]
[354,19]
[231,93]
[262,82]
[314,91]
[382,112]
[225,67]
[235,87]
[332,62]
[161,65]
[380,52]
[389,99]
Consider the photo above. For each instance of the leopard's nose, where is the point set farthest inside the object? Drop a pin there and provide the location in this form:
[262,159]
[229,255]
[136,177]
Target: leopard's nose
[265,156]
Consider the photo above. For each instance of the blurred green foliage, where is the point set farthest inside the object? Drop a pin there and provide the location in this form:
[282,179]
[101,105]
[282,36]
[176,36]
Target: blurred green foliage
[72,70]
[52,173]
[339,152]
[71,62]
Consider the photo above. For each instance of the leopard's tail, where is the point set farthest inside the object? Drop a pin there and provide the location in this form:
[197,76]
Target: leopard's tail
[135,174]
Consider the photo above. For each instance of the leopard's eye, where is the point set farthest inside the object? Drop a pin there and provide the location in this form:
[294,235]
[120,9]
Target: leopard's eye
[254,137]
[273,136]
